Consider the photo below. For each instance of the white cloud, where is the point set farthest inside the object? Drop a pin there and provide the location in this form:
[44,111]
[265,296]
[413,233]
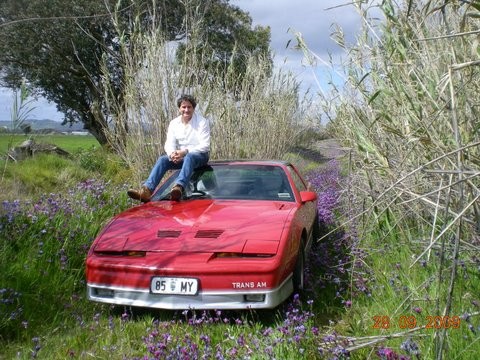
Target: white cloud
[315,20]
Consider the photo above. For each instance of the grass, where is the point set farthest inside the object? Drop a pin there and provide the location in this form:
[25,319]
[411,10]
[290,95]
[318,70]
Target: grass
[45,313]
[405,113]
[395,254]
[51,173]
[70,143]
[403,299]
[354,285]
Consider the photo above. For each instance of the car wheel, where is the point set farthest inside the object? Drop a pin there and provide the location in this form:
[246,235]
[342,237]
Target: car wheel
[299,271]
[316,228]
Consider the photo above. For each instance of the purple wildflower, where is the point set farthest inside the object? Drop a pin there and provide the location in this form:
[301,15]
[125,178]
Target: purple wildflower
[387,354]
[410,347]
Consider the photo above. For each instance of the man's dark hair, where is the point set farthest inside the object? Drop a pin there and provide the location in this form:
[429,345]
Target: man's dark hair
[188,98]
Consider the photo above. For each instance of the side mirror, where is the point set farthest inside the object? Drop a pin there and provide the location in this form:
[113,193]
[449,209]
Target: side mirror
[308,196]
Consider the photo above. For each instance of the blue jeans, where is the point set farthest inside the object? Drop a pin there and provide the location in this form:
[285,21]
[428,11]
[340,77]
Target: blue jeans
[190,162]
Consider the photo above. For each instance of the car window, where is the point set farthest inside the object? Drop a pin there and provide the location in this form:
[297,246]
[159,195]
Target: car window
[240,181]
[253,182]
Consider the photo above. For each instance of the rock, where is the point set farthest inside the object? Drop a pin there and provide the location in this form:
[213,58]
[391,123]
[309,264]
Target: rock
[30,148]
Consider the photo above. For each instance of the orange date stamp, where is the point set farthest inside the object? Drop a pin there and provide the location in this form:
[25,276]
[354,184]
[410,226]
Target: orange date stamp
[411,322]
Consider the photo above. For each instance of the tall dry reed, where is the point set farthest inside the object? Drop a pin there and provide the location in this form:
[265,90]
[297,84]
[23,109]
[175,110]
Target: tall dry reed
[409,110]
[263,118]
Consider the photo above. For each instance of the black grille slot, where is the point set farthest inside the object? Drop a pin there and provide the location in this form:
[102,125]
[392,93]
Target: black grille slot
[168,233]
[208,234]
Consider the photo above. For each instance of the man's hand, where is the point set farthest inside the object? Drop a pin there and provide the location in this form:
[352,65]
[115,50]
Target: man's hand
[177,156]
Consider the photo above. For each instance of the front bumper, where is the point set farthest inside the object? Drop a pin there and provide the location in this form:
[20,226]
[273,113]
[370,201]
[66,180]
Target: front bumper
[207,300]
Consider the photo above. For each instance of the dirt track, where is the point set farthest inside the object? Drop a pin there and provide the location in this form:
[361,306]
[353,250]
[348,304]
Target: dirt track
[322,151]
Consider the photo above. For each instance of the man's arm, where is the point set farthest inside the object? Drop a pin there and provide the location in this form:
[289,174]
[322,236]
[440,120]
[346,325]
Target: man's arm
[170,142]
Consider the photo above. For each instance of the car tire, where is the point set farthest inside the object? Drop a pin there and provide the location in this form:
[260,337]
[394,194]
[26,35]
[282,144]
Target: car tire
[299,271]
[315,232]
[316,229]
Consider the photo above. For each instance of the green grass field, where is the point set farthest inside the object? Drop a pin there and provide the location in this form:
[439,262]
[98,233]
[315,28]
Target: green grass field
[380,308]
[45,173]
[68,143]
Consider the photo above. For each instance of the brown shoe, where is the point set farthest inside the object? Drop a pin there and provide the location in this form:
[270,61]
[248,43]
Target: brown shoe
[176,192]
[144,194]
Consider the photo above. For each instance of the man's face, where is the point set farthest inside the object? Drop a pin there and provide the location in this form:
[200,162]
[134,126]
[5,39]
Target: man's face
[186,109]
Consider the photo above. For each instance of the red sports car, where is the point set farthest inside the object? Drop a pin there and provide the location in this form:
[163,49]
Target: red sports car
[237,239]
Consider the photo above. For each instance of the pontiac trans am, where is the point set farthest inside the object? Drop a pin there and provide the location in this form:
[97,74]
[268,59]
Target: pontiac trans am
[238,239]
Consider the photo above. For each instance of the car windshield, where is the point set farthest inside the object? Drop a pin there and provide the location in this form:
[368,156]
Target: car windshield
[239,181]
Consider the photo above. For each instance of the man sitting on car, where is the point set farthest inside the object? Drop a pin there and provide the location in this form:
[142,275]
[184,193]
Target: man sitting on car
[187,147]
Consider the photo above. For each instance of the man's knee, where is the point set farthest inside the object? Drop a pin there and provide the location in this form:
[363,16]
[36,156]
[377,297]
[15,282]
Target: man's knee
[164,159]
[189,158]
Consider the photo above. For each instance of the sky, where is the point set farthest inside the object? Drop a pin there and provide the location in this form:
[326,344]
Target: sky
[312,18]
[315,20]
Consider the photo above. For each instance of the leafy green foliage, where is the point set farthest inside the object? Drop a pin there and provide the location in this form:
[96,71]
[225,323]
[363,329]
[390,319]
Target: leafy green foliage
[105,163]
[67,49]
[20,109]
[227,53]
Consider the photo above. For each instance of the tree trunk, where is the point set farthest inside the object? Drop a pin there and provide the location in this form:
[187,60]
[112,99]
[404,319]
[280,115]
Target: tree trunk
[94,122]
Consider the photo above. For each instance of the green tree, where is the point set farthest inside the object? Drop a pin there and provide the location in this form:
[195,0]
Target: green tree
[227,52]
[60,46]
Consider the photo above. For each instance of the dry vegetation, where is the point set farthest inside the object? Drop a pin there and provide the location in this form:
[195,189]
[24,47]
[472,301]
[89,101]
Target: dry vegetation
[410,113]
[264,107]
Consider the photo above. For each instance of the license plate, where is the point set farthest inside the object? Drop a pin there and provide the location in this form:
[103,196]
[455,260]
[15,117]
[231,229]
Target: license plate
[174,285]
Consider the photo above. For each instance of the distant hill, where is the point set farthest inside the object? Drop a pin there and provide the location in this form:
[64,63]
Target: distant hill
[46,124]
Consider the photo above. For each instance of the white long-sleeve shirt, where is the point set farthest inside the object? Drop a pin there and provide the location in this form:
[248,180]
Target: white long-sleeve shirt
[193,136]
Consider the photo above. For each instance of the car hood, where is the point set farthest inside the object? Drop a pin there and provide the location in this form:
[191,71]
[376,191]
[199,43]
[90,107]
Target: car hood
[197,226]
